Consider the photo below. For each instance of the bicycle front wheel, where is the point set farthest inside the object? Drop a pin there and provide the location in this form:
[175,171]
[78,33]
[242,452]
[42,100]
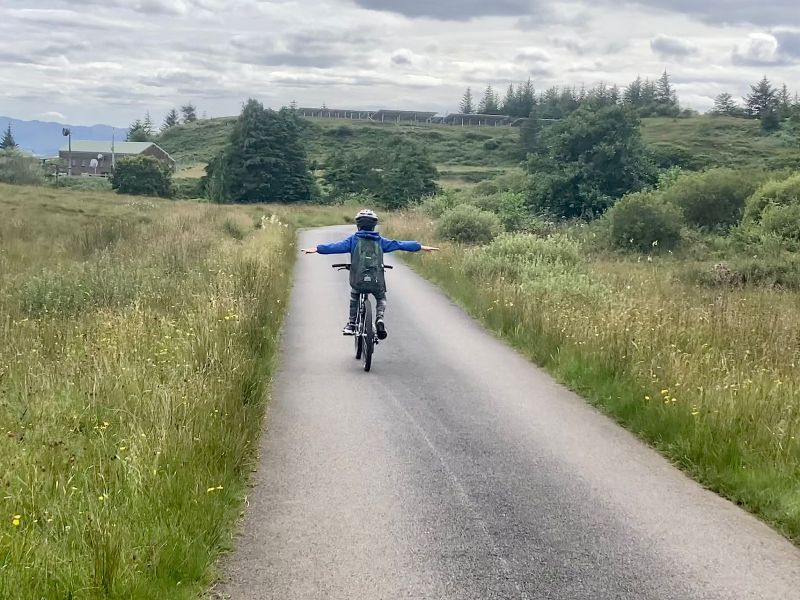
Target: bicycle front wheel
[368,344]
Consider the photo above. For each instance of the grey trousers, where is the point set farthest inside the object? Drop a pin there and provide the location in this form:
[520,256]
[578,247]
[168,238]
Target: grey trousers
[380,305]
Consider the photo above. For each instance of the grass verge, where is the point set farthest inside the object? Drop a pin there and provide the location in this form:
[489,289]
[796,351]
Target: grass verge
[137,342]
[707,377]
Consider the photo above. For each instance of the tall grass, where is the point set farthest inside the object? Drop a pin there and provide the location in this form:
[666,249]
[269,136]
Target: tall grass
[137,341]
[708,376]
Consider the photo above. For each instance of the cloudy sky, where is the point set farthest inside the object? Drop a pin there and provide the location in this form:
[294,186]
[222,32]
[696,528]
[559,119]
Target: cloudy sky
[108,61]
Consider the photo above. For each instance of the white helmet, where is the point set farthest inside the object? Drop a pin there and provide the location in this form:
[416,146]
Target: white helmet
[366,219]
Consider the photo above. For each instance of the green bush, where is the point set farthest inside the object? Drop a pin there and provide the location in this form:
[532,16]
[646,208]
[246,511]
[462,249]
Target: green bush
[771,272]
[86,184]
[19,169]
[469,224]
[783,192]
[782,221]
[643,222]
[436,206]
[142,176]
[713,199]
[188,188]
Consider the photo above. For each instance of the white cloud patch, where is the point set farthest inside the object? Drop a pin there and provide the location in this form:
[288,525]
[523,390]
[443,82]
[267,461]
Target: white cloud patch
[759,49]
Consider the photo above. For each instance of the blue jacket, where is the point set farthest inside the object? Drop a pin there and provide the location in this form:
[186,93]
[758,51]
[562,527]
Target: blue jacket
[346,246]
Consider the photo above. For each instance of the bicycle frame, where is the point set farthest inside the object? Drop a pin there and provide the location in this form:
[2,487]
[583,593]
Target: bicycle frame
[366,338]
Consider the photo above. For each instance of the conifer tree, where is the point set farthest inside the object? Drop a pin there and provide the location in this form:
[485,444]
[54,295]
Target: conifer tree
[264,160]
[189,112]
[170,120]
[489,102]
[760,99]
[725,105]
[466,106]
[8,143]
[147,124]
[137,132]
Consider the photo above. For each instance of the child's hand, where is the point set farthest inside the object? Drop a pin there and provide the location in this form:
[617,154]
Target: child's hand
[309,251]
[429,249]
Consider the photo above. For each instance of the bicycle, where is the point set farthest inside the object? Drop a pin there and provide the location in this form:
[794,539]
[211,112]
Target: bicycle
[366,338]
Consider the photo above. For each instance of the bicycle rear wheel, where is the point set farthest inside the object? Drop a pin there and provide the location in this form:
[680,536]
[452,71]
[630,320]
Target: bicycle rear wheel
[369,335]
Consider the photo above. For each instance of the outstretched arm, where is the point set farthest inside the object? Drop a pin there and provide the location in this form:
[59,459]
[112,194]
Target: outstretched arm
[342,247]
[409,246]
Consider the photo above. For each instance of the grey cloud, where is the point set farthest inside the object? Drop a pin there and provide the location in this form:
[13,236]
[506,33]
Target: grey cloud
[453,10]
[320,49]
[668,46]
[788,42]
[770,13]
[532,55]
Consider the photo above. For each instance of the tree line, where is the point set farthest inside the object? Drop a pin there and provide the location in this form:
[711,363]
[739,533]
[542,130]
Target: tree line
[768,104]
[144,130]
[649,98]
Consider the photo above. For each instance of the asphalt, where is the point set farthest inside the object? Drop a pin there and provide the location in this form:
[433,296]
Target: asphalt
[458,470]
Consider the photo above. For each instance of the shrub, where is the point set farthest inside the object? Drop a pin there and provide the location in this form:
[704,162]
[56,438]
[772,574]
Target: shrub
[19,169]
[588,160]
[770,272]
[643,222]
[469,224]
[786,191]
[142,176]
[782,221]
[188,188]
[436,206]
[713,199]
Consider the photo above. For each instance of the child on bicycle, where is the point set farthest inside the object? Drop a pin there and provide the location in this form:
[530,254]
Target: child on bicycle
[366,220]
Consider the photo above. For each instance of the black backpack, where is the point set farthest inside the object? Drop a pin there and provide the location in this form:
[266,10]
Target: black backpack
[366,266]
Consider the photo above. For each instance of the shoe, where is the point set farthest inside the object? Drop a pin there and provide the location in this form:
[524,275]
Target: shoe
[381,329]
[349,329]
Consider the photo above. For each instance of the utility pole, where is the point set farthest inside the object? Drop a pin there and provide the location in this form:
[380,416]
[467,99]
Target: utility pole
[67,132]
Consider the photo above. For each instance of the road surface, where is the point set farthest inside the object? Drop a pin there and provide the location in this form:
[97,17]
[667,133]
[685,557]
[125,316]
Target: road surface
[458,470]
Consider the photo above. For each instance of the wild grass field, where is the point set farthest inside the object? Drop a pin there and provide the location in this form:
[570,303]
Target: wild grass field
[707,375]
[137,342]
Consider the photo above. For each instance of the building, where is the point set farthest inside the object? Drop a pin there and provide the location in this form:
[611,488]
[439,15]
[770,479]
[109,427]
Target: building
[84,152]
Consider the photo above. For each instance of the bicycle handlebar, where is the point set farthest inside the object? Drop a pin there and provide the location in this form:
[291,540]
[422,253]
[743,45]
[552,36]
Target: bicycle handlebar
[346,266]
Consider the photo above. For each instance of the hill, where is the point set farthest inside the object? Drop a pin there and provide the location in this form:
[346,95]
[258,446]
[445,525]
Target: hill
[198,142]
[44,138]
[468,154]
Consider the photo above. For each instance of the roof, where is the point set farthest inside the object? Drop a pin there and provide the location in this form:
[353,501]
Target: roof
[101,147]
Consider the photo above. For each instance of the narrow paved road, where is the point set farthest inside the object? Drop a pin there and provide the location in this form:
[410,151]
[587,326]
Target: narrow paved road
[457,470]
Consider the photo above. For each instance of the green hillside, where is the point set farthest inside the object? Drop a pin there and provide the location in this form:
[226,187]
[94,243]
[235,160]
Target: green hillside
[721,142]
[469,154]
[198,142]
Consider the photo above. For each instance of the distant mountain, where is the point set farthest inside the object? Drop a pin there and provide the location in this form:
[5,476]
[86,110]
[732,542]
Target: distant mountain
[44,138]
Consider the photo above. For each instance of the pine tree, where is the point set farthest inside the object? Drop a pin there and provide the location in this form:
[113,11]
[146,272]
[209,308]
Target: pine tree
[633,93]
[466,107]
[510,101]
[784,103]
[725,105]
[526,99]
[264,160]
[189,113]
[8,143]
[147,124]
[489,102]
[137,132]
[760,99]
[614,95]
[170,120]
